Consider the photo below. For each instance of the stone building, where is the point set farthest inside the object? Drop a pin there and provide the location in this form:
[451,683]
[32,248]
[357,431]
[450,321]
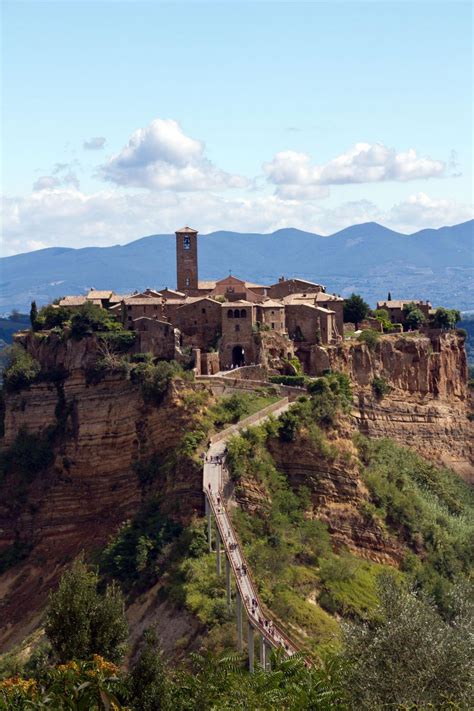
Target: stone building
[395,308]
[155,336]
[239,325]
[285,287]
[199,320]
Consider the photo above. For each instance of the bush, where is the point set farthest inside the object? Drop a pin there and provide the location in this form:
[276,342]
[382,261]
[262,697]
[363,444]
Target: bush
[51,317]
[27,456]
[21,369]
[295,380]
[446,318]
[91,318]
[380,387]
[81,622]
[370,338]
[155,379]
[133,552]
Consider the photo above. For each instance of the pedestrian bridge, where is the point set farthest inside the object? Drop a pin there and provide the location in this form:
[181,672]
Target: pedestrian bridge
[229,550]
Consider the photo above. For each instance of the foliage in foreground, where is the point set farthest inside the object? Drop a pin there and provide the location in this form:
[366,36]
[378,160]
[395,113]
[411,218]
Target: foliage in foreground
[82,622]
[410,656]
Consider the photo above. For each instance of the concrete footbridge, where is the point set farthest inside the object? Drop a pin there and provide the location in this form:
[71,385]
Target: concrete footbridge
[229,551]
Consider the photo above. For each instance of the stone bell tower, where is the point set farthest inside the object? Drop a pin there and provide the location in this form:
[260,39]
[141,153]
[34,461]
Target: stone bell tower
[187,260]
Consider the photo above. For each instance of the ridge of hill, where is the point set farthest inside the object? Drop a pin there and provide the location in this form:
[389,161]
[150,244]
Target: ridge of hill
[368,258]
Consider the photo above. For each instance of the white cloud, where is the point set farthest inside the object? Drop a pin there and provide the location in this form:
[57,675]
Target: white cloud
[62,175]
[420,210]
[94,144]
[364,163]
[161,157]
[68,217]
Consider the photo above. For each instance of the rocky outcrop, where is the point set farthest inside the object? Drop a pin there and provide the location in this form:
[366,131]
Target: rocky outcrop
[338,496]
[427,405]
[91,487]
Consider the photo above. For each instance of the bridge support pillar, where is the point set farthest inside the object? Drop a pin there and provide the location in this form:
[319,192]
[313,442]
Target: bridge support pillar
[263,652]
[238,600]
[250,644]
[218,550]
[209,524]
[227,583]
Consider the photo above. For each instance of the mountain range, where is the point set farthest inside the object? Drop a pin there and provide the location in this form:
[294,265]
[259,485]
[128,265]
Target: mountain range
[434,264]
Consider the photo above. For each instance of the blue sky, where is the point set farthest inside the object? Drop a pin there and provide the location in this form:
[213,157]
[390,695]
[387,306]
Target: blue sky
[245,116]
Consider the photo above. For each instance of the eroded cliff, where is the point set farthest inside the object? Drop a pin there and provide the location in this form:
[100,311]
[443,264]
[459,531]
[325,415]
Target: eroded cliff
[97,433]
[426,405]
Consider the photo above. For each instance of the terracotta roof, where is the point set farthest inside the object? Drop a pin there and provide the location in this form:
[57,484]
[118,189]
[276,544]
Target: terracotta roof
[117,298]
[399,303]
[322,296]
[272,303]
[95,294]
[234,304]
[301,281]
[186,230]
[143,301]
[206,284]
[73,301]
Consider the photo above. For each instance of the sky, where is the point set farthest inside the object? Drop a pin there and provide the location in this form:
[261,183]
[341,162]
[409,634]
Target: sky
[122,119]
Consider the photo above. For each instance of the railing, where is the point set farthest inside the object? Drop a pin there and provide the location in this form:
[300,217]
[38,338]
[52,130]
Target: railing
[276,638]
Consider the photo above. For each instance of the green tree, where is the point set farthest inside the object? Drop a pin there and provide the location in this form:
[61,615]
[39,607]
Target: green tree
[90,318]
[389,296]
[414,318]
[148,684]
[446,318]
[21,368]
[34,316]
[409,656]
[82,622]
[355,309]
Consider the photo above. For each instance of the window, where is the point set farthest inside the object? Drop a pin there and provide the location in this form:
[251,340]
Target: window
[273,325]
[230,314]
[155,308]
[186,243]
[203,311]
[188,281]
[243,313]
[237,327]
[129,308]
[236,313]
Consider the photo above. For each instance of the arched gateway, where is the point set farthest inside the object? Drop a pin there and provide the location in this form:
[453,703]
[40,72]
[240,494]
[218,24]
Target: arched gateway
[238,356]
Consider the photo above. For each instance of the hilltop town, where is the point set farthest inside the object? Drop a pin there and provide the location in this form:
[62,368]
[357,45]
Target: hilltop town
[231,322]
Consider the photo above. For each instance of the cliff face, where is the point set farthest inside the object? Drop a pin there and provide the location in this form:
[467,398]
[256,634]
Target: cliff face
[91,486]
[427,406]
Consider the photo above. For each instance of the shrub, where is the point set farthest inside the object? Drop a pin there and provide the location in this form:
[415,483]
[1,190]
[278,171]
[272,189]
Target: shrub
[295,380]
[27,456]
[133,552]
[155,379]
[90,318]
[370,338]
[380,387]
[51,316]
[414,317]
[21,369]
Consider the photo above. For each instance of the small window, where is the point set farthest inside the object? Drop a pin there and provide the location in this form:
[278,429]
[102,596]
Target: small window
[230,313]
[236,313]
[237,327]
[186,243]
[203,311]
[243,313]
[273,325]
[129,308]
[188,281]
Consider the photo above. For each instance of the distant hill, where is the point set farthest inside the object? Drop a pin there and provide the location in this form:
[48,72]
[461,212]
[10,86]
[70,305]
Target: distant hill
[368,258]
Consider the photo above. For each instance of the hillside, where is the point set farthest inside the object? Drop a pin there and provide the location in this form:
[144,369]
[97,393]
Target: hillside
[112,469]
[369,259]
